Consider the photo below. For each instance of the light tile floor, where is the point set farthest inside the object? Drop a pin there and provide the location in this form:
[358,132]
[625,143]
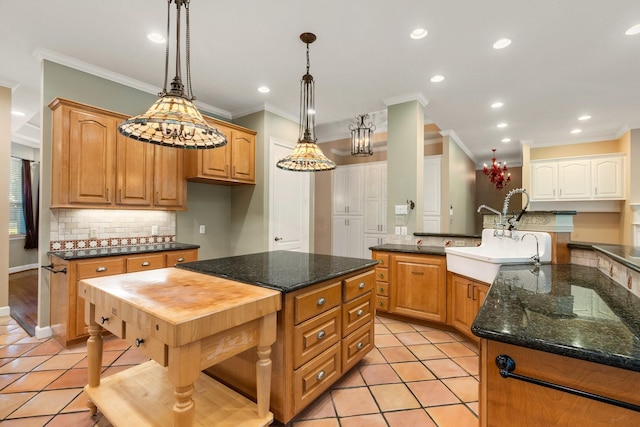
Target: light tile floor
[416,376]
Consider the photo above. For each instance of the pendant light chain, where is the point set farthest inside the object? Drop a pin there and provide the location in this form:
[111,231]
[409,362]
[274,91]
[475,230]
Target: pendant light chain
[166,56]
[190,95]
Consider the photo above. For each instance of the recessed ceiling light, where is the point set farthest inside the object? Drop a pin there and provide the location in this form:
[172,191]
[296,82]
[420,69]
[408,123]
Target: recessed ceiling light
[501,125]
[576,130]
[264,89]
[497,104]
[18,113]
[437,78]
[156,38]
[633,30]
[585,117]
[501,44]
[506,140]
[419,33]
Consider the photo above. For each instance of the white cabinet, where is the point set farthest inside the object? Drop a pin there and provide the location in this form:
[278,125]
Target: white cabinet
[375,198]
[347,190]
[347,236]
[578,179]
[432,194]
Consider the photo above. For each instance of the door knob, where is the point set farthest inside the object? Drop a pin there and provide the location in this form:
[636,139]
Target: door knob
[277,239]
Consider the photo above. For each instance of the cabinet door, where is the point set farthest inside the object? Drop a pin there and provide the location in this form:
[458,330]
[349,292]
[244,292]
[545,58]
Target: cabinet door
[243,156]
[461,303]
[574,179]
[544,180]
[168,180]
[134,172]
[372,201]
[340,195]
[347,236]
[91,156]
[607,178]
[215,162]
[355,190]
[419,286]
[432,188]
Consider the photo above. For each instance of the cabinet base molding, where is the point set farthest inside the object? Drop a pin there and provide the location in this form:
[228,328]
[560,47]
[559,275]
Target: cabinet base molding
[442,326]
[144,396]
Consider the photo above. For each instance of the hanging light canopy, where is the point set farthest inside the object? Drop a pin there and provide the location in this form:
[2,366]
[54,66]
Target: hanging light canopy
[307,156]
[362,136]
[498,173]
[173,120]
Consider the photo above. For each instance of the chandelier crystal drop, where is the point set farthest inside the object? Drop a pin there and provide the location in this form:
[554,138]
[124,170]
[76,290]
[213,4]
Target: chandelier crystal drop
[173,120]
[497,173]
[307,156]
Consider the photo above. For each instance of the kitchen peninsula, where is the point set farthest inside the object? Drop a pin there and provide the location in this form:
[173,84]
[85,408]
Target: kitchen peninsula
[324,328]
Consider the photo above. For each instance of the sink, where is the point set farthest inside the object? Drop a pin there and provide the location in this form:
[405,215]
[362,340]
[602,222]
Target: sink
[482,262]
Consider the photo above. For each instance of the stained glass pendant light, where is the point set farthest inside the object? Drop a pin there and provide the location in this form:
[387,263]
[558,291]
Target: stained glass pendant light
[307,156]
[362,136]
[173,120]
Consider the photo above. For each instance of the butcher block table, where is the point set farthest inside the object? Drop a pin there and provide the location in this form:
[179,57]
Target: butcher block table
[185,322]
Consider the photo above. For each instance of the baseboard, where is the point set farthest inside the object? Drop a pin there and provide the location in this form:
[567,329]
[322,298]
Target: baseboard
[43,332]
[20,268]
[4,311]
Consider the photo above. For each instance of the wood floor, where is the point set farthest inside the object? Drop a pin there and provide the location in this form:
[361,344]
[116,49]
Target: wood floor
[23,299]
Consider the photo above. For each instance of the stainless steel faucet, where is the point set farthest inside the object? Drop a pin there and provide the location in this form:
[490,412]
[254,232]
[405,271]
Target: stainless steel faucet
[513,221]
[535,258]
[489,208]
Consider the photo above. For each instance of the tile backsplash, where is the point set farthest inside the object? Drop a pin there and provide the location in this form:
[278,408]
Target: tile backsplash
[84,228]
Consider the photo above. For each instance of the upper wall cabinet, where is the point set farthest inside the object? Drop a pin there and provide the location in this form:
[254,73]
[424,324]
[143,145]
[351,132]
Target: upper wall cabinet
[348,186]
[579,179]
[233,163]
[93,166]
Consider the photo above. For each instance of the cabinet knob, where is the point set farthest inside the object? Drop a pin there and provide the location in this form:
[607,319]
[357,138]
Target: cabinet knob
[103,320]
[360,312]
[381,275]
[320,376]
[139,341]
[101,269]
[359,345]
[361,285]
[381,290]
[321,301]
[180,259]
[380,304]
[146,264]
[321,334]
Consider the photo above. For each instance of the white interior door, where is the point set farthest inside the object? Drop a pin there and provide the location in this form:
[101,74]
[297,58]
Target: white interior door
[288,202]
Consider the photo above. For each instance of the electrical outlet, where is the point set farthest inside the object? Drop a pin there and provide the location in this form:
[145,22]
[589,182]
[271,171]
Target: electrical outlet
[397,230]
[93,233]
[154,230]
[403,230]
[202,228]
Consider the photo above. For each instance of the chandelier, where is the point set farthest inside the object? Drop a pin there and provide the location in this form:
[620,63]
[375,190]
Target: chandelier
[498,173]
[173,120]
[307,156]
[362,136]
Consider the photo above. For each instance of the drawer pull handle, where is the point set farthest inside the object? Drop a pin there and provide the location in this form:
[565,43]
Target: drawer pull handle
[139,341]
[180,259]
[103,320]
[146,264]
[360,312]
[381,290]
[380,304]
[381,262]
[381,275]
[361,285]
[321,334]
[418,272]
[359,345]
[101,269]
[321,375]
[321,301]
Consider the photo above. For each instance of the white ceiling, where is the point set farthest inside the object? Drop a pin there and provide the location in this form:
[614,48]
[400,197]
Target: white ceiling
[568,58]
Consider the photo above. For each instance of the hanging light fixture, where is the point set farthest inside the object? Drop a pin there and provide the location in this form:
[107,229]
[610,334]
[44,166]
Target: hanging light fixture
[173,120]
[362,136]
[498,173]
[307,156]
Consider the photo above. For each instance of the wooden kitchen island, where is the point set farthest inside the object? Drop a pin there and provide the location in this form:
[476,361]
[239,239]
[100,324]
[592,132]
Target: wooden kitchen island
[185,322]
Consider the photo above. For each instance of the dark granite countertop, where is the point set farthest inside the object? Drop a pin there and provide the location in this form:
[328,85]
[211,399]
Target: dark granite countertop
[123,250]
[570,310]
[285,271]
[468,236]
[628,256]
[410,249]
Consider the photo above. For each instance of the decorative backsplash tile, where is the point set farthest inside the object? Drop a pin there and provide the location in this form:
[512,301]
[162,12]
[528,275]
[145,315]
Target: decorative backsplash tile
[95,228]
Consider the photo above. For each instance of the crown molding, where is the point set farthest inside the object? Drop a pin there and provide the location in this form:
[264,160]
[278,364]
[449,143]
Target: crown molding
[454,136]
[13,85]
[265,107]
[406,98]
[41,53]
[25,140]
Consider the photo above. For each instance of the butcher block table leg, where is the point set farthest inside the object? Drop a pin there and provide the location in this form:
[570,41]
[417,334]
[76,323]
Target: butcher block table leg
[94,357]
[267,336]
[183,373]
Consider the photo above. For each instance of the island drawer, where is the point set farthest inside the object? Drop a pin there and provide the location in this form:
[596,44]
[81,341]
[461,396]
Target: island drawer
[317,301]
[356,313]
[356,345]
[143,341]
[382,258]
[382,289]
[109,320]
[382,274]
[382,303]
[177,257]
[145,262]
[315,377]
[315,336]
[358,285]
[99,268]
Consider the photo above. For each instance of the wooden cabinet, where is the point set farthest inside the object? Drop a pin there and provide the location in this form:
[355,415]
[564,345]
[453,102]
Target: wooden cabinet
[323,331]
[233,163]
[382,280]
[526,404]
[465,298]
[94,166]
[67,307]
[587,178]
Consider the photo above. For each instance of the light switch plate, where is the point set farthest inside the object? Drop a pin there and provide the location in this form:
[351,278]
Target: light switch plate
[202,228]
[401,209]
